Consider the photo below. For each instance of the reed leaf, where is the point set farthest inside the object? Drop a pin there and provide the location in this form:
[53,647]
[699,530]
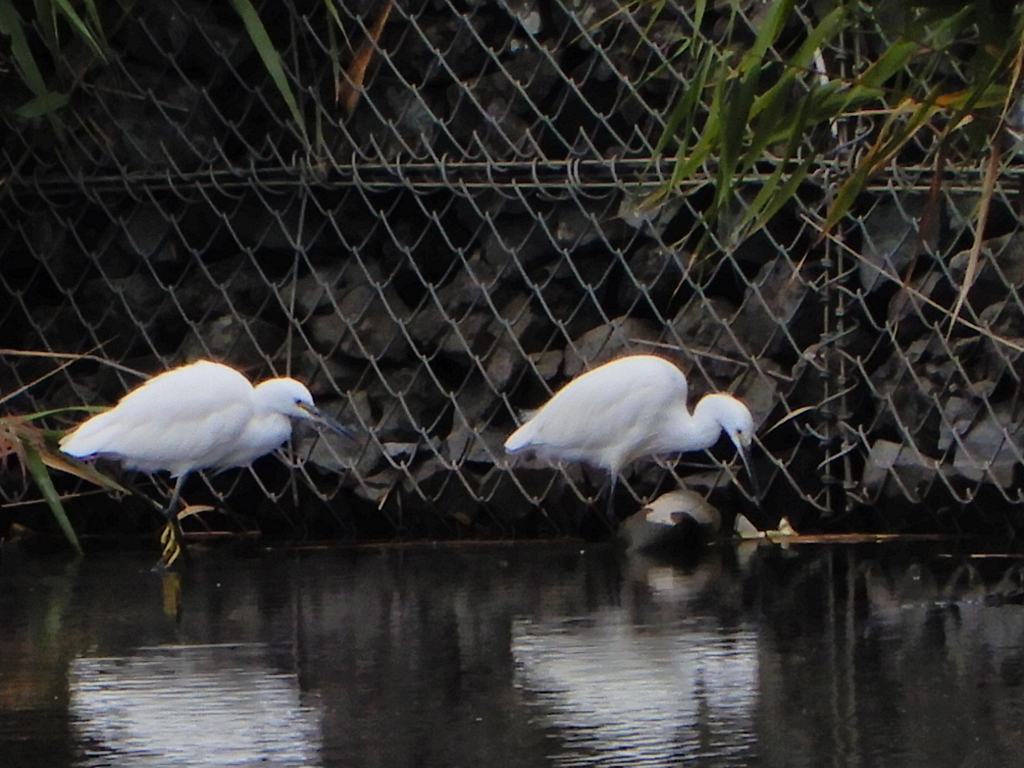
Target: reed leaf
[43,104]
[895,134]
[41,477]
[81,28]
[270,57]
[11,26]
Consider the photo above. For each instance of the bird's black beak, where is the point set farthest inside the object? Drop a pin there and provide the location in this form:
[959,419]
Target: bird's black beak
[748,464]
[323,421]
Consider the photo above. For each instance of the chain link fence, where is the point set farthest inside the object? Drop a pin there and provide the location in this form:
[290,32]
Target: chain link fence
[464,209]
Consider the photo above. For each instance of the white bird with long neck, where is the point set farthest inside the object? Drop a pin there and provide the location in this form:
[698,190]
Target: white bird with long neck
[628,408]
[199,416]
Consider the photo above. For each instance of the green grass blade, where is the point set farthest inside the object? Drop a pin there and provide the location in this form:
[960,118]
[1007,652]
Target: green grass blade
[709,138]
[801,61]
[764,130]
[37,469]
[772,196]
[737,107]
[10,25]
[834,100]
[898,134]
[271,58]
[335,52]
[80,27]
[44,104]
[46,20]
[771,26]
[94,17]
[333,13]
[699,9]
[830,26]
[776,196]
[683,115]
[892,61]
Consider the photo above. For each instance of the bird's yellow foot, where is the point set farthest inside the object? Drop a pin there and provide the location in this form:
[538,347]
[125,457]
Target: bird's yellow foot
[173,547]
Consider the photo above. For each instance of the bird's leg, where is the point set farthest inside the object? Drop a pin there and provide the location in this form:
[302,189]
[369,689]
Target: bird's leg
[613,521]
[170,512]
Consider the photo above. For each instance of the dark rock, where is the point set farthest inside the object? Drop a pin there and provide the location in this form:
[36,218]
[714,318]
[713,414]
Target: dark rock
[325,377]
[413,121]
[500,366]
[779,316]
[526,12]
[758,390]
[187,32]
[241,342]
[915,383]
[679,518]
[900,471]
[1002,263]
[990,449]
[470,286]
[474,400]
[909,310]
[365,325]
[138,295]
[575,226]
[467,334]
[657,274]
[1000,269]
[958,414]
[254,226]
[317,291]
[148,235]
[483,446]
[516,242]
[547,364]
[531,70]
[893,238]
[427,327]
[624,335]
[649,214]
[228,285]
[156,122]
[703,329]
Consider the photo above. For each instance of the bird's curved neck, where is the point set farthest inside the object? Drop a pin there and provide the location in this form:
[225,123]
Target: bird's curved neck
[693,432]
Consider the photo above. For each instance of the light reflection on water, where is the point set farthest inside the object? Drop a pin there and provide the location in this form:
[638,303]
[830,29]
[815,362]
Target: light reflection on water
[135,710]
[515,656]
[631,697]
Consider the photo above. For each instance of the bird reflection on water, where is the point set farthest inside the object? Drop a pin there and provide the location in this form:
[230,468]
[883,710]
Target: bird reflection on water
[515,656]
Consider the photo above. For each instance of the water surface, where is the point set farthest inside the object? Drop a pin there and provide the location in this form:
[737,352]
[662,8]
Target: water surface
[515,655]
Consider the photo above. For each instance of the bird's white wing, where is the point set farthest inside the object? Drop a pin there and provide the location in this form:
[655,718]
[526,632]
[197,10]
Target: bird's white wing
[606,406]
[187,418]
[591,419]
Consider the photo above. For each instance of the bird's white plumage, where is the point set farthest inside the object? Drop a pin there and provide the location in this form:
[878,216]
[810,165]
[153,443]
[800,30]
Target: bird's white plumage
[270,423]
[630,407]
[199,416]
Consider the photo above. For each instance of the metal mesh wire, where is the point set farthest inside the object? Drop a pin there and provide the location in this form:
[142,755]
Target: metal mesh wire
[469,236]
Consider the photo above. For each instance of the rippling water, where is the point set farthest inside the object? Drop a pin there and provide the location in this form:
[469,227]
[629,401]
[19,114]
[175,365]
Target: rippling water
[525,655]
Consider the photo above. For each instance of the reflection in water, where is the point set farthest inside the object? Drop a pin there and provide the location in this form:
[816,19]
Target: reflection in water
[616,692]
[136,709]
[516,656]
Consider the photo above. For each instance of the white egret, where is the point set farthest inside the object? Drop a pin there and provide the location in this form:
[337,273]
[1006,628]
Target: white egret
[628,408]
[199,416]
